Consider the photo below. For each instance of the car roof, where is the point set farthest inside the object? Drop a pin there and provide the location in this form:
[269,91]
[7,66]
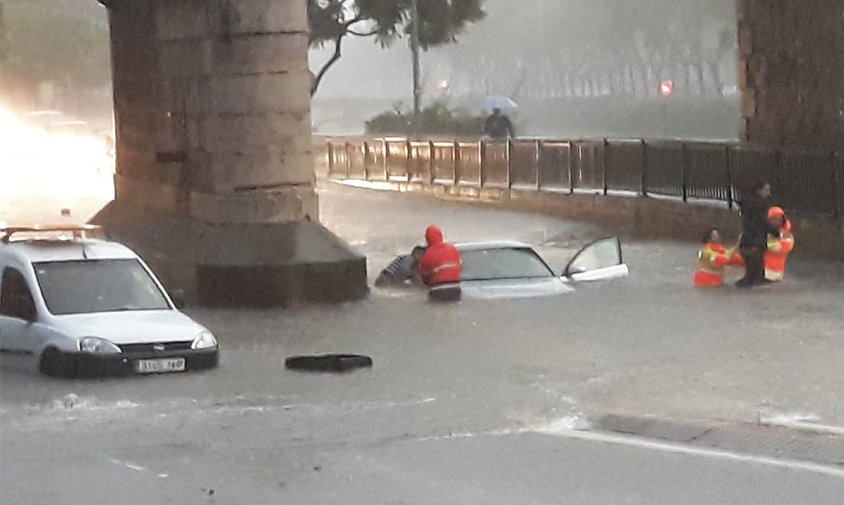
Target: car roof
[493,244]
[41,250]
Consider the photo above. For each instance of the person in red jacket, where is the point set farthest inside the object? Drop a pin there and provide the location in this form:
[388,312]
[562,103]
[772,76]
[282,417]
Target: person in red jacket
[441,262]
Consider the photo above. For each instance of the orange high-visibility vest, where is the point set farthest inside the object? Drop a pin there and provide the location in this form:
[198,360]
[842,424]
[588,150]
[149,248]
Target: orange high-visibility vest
[776,255]
[778,247]
[710,265]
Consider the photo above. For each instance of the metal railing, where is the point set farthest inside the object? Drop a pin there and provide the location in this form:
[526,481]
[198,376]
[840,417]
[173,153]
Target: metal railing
[803,180]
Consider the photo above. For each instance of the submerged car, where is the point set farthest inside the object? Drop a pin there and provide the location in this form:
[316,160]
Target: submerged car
[516,270]
[73,305]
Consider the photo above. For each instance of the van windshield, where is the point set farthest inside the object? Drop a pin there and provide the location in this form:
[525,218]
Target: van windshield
[81,287]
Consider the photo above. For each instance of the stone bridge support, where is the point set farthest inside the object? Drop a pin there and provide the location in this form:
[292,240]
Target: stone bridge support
[215,183]
[792,72]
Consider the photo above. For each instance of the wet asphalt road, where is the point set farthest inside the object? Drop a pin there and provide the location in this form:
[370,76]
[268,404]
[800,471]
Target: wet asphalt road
[458,406]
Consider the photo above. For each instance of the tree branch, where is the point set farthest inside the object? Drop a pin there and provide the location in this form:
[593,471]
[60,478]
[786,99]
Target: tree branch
[349,23]
[338,52]
[338,43]
[366,34]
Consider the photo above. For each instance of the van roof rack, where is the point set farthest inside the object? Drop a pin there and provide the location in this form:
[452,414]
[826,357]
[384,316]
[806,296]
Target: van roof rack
[77,231]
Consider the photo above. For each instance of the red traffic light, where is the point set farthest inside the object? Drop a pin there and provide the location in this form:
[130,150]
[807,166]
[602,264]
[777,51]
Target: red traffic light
[666,88]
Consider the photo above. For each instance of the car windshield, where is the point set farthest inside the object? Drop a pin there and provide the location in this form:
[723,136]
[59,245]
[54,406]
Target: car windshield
[504,263]
[81,287]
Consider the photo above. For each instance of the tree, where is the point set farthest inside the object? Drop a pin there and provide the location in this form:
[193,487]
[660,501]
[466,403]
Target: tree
[441,21]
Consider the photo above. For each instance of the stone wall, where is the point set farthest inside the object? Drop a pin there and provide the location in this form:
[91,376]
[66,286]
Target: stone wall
[636,217]
[792,72]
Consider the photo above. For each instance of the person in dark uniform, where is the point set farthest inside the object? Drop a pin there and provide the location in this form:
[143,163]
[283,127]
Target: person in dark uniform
[404,268]
[498,126]
[754,237]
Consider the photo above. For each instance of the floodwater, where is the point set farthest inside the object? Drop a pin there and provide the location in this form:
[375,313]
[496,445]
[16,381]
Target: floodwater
[459,404]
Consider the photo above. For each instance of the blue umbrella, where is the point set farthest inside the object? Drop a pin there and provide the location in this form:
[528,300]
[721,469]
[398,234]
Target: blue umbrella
[498,102]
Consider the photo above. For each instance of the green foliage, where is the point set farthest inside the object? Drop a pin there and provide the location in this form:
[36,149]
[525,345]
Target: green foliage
[441,20]
[436,119]
[326,19]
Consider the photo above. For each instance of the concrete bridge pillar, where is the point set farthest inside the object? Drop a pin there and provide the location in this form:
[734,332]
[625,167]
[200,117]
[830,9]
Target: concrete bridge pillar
[215,181]
[792,72]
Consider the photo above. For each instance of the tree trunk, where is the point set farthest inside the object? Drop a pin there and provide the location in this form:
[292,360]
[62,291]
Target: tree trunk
[414,52]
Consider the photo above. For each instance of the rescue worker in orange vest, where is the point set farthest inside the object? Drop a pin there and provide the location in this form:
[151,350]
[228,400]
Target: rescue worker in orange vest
[778,246]
[441,262]
[712,260]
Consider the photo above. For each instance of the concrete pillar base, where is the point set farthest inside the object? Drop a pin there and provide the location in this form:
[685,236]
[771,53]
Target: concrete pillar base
[240,265]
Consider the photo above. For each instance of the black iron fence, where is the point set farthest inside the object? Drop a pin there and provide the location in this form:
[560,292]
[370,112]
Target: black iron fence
[803,180]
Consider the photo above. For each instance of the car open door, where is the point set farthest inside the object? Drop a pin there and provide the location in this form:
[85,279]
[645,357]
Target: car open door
[601,260]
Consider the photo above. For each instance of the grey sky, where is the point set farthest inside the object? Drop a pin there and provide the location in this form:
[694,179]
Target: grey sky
[552,41]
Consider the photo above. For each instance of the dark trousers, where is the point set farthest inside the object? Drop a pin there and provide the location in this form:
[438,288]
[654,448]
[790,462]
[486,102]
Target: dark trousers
[445,293]
[754,266]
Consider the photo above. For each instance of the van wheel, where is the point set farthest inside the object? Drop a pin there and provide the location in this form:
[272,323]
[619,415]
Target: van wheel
[54,364]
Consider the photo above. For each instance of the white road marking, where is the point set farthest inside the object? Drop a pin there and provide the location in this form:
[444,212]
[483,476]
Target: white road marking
[137,468]
[569,428]
[808,422]
[676,448]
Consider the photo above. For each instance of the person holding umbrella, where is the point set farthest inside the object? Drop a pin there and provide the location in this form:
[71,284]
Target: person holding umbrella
[498,126]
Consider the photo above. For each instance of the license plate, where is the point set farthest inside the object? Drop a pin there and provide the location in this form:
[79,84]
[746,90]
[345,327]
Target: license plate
[160,365]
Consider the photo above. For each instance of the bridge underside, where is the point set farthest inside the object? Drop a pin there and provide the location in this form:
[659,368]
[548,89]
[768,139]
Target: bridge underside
[215,181]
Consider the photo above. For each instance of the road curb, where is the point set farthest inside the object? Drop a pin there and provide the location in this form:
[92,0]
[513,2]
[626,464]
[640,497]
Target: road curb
[801,443]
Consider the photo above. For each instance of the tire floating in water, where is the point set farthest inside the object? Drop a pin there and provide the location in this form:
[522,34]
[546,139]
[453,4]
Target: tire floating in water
[336,363]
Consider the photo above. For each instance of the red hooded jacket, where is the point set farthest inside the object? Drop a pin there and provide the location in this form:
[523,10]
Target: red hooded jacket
[441,261]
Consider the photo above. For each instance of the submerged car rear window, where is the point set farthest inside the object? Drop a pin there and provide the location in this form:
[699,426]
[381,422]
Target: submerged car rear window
[81,287]
[490,264]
